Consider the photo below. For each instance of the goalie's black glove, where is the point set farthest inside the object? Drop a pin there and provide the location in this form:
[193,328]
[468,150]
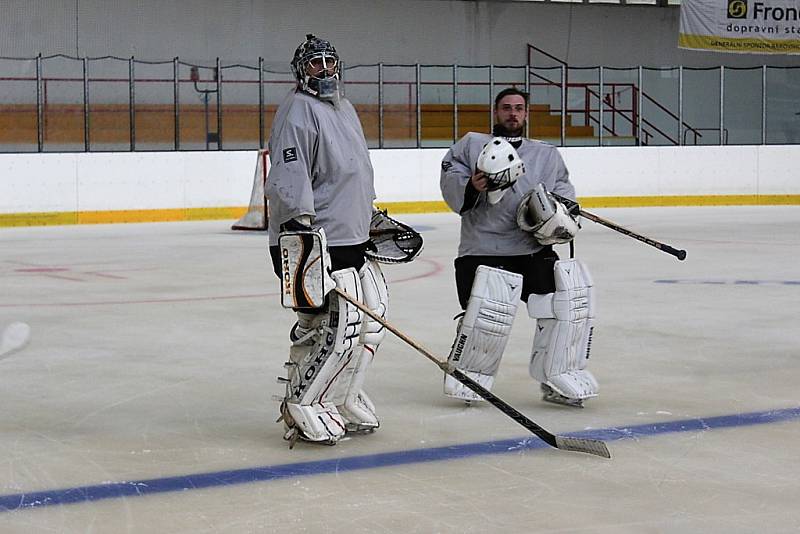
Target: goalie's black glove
[573,208]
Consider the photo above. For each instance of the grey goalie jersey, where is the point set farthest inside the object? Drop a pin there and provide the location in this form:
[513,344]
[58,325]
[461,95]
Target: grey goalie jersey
[320,166]
[491,229]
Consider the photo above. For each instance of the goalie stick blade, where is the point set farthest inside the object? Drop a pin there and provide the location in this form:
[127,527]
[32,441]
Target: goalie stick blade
[589,446]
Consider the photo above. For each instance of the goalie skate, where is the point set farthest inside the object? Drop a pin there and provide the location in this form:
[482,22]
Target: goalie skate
[292,431]
[551,395]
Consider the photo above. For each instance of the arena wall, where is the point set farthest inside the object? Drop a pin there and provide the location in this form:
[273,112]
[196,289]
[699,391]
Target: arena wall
[364,31]
[77,188]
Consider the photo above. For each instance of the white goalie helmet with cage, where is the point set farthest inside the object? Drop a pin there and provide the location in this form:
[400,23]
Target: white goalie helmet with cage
[315,66]
[502,166]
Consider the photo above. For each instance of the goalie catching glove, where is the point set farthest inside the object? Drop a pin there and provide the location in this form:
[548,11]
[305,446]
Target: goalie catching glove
[546,218]
[392,241]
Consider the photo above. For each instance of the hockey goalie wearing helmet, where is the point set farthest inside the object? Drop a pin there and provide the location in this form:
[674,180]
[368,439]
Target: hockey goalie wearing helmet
[500,185]
[315,66]
[321,190]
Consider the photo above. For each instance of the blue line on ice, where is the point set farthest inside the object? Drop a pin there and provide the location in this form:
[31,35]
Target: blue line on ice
[117,490]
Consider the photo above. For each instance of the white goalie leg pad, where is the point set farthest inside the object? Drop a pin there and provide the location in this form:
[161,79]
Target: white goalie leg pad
[483,332]
[308,407]
[564,322]
[357,408]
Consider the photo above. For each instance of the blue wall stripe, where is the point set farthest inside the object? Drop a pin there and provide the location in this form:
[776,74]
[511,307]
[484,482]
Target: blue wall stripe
[84,494]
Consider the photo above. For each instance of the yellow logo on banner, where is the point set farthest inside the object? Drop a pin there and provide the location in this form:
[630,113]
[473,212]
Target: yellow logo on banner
[737,9]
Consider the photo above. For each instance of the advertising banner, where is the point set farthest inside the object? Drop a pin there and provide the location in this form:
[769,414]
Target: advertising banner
[743,26]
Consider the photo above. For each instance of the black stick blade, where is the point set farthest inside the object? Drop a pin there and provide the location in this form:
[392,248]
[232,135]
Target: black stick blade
[589,446]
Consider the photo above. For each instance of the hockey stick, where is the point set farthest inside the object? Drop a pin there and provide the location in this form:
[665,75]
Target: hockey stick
[589,446]
[15,336]
[680,254]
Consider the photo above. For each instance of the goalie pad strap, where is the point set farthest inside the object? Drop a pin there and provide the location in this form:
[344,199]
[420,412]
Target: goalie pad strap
[305,263]
[564,322]
[483,332]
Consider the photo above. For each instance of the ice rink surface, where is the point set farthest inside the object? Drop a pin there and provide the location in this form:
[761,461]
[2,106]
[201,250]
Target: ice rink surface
[143,402]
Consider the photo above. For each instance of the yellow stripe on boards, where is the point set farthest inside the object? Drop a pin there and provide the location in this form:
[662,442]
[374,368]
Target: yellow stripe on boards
[433,206]
[436,206]
[697,200]
[120,216]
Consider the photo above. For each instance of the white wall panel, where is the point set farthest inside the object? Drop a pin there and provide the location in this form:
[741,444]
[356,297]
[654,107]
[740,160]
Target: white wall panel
[407,175]
[175,180]
[779,170]
[130,181]
[32,183]
[214,181]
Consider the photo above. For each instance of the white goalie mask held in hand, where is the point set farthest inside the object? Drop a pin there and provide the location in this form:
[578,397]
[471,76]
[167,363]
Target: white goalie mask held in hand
[502,166]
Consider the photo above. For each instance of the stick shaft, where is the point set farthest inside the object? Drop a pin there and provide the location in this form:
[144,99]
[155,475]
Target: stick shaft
[588,446]
[680,254]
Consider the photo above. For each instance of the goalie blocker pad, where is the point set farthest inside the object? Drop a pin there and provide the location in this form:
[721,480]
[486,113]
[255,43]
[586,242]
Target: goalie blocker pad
[391,240]
[564,322]
[546,218]
[305,264]
[483,332]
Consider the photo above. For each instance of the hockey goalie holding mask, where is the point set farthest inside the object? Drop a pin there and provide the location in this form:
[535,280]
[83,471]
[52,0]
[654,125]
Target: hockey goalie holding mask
[324,233]
[499,185]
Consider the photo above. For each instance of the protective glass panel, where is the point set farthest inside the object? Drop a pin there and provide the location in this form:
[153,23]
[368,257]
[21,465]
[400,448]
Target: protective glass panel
[399,106]
[18,114]
[545,109]
[109,109]
[583,106]
[742,106]
[437,97]
[63,125]
[783,109]
[701,106]
[240,124]
[620,107]
[154,105]
[473,97]
[361,88]
[660,101]
[197,89]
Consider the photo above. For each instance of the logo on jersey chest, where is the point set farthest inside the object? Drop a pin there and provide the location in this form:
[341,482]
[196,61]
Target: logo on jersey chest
[289,154]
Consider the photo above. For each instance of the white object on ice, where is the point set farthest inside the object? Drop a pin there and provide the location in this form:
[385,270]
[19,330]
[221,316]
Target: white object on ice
[15,336]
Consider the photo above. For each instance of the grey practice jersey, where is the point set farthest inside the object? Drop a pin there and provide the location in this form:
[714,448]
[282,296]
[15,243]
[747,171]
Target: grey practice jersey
[491,229]
[320,166]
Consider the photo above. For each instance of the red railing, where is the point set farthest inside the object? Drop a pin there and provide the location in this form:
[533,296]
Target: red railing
[642,137]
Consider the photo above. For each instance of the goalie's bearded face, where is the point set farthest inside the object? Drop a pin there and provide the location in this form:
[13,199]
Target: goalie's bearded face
[510,113]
